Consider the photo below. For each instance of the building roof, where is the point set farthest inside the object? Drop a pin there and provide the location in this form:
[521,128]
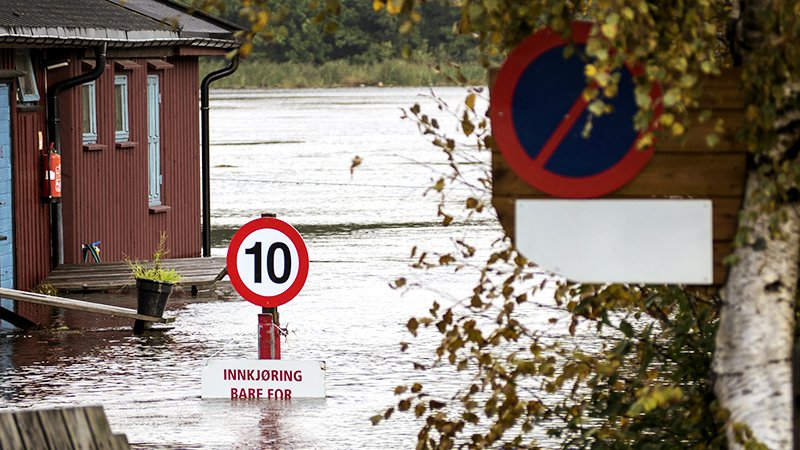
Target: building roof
[119,23]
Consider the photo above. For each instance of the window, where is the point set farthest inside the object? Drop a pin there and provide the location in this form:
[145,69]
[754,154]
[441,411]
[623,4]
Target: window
[122,131]
[89,112]
[26,89]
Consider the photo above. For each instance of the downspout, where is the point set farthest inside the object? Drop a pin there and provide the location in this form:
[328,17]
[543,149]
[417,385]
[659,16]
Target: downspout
[56,218]
[206,148]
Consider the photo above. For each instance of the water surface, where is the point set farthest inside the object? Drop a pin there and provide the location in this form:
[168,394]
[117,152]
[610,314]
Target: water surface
[286,152]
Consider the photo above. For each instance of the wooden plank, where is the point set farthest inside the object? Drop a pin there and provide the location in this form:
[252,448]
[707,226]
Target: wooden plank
[726,217]
[16,320]
[694,140]
[120,442]
[9,434]
[55,430]
[66,303]
[100,428]
[723,91]
[668,174]
[200,273]
[78,427]
[30,430]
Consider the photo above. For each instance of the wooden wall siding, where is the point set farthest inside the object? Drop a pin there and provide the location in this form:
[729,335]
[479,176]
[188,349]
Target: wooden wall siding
[105,191]
[31,215]
[684,168]
[180,158]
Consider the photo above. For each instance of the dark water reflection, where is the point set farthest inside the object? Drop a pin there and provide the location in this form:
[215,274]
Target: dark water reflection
[285,152]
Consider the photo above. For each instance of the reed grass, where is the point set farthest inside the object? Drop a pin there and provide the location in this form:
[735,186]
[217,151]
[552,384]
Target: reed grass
[259,73]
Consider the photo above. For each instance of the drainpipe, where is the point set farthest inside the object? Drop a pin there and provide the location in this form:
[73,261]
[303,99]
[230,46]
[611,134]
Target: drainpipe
[56,218]
[206,148]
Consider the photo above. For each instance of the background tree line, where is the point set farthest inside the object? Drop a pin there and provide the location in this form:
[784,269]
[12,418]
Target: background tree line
[301,32]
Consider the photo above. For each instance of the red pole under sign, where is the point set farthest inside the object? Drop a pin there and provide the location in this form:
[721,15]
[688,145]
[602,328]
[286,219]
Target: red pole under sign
[269,338]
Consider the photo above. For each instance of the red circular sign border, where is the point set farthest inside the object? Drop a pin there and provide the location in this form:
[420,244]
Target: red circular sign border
[233,271]
[507,141]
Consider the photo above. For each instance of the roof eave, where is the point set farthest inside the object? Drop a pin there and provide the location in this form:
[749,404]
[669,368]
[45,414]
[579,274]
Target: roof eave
[81,37]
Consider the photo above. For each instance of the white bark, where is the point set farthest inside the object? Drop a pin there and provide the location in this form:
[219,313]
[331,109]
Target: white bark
[753,358]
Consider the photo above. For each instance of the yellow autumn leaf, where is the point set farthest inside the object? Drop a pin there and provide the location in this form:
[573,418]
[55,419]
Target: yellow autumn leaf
[590,70]
[261,21]
[646,141]
[610,91]
[245,49]
[470,101]
[627,13]
[394,6]
[609,30]
[678,129]
[752,112]
[667,119]
[378,5]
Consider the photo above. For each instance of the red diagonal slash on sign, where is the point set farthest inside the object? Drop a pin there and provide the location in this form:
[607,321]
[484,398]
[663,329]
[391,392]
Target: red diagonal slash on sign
[575,111]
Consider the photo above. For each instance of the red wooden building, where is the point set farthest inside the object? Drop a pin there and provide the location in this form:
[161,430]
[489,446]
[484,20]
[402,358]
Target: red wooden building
[114,87]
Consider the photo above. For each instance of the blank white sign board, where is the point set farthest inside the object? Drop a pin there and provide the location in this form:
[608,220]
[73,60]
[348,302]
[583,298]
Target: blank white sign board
[653,241]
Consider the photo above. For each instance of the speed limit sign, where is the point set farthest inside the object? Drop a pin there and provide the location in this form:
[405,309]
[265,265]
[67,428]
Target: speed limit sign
[267,262]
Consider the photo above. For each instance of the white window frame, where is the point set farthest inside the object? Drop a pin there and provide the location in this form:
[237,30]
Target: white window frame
[27,91]
[90,137]
[155,175]
[124,134]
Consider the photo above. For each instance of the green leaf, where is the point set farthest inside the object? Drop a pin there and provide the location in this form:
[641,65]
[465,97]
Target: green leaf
[626,328]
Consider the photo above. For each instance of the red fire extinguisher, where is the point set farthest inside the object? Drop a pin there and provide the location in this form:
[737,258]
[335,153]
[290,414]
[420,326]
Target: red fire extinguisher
[51,162]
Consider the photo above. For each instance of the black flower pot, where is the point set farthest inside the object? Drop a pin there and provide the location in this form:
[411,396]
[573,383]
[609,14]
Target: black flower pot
[151,300]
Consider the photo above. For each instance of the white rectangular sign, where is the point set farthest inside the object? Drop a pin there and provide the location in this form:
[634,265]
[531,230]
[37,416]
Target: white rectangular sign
[658,241]
[263,379]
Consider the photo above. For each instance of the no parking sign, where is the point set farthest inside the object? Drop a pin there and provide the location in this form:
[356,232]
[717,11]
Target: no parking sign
[538,113]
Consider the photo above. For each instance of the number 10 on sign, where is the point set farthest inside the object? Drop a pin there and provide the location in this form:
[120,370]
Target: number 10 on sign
[267,262]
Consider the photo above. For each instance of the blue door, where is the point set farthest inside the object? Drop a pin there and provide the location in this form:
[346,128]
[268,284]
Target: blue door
[6,222]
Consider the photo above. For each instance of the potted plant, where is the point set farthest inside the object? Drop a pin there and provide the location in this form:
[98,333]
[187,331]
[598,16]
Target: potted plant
[154,284]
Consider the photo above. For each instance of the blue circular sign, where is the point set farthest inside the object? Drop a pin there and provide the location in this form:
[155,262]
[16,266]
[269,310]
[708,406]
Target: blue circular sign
[539,113]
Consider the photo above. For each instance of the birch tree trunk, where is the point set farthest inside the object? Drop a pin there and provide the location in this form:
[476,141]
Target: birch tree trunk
[753,358]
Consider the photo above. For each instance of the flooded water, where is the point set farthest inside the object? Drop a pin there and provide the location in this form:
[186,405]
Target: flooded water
[286,152]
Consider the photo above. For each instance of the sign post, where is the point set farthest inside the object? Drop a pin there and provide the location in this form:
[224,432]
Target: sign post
[268,265]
